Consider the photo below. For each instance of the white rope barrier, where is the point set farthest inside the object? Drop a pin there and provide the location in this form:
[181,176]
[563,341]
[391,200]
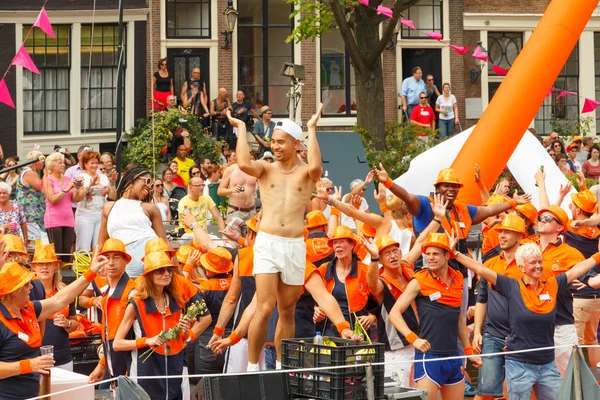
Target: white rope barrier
[302,370]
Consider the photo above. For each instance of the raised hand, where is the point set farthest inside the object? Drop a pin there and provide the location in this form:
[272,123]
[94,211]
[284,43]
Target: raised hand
[502,188]
[193,258]
[540,176]
[381,174]
[439,206]
[369,177]
[564,190]
[370,246]
[477,175]
[581,180]
[379,194]
[234,121]
[312,122]
[526,198]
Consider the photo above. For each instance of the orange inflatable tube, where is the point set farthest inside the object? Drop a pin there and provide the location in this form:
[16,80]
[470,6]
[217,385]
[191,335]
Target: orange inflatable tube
[519,97]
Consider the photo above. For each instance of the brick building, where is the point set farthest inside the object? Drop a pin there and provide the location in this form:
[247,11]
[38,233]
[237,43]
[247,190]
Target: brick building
[57,107]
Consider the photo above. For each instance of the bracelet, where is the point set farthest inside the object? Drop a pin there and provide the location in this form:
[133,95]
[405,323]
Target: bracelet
[342,325]
[596,258]
[65,191]
[89,275]
[468,351]
[388,184]
[241,241]
[235,338]
[92,301]
[383,208]
[193,226]
[374,259]
[218,330]
[140,343]
[25,366]
[334,211]
[102,361]
[512,203]
[190,336]
[411,337]
[189,268]
[439,221]
[480,185]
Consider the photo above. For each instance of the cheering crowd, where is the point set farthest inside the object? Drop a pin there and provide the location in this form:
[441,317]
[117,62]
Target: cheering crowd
[311,260]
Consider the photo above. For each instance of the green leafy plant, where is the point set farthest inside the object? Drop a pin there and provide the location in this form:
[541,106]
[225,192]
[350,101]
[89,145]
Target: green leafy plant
[142,150]
[581,126]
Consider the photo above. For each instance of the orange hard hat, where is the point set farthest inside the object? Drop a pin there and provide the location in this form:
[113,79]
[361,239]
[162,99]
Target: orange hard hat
[14,244]
[366,230]
[448,175]
[44,253]
[218,260]
[343,232]
[385,241]
[559,213]
[156,260]
[13,277]
[586,200]
[513,223]
[158,244]
[117,246]
[529,211]
[315,219]
[440,240]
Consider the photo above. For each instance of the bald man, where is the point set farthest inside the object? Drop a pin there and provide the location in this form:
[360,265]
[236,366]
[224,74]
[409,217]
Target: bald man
[222,129]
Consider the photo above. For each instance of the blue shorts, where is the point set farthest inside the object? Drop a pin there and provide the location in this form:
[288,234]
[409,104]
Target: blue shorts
[491,374]
[447,372]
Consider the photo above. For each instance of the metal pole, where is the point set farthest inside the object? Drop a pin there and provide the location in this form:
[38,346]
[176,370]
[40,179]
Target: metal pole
[292,96]
[8,169]
[118,153]
[370,382]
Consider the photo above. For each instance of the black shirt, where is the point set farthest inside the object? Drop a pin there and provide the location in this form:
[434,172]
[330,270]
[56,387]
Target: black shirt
[162,84]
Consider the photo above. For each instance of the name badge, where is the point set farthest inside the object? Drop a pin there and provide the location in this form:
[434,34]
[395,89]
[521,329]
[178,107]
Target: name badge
[462,225]
[434,296]
[23,336]
[545,296]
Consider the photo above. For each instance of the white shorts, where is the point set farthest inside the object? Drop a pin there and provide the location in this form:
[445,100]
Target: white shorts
[276,254]
[564,334]
[236,359]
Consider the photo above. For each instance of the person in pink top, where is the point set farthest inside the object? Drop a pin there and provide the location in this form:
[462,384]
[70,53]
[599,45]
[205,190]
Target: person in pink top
[60,190]
[423,116]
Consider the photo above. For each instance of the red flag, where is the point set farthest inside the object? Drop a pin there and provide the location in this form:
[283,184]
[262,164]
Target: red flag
[5,95]
[499,70]
[23,59]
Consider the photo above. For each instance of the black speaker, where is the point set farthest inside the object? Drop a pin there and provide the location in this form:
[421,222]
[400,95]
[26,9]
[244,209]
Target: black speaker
[243,387]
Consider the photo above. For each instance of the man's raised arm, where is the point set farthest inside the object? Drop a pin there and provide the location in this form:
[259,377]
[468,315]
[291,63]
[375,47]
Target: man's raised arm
[315,169]
[253,168]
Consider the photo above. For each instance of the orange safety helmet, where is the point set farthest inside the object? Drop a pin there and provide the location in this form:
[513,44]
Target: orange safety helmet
[343,232]
[513,223]
[385,241]
[559,213]
[529,211]
[448,175]
[440,240]
[586,200]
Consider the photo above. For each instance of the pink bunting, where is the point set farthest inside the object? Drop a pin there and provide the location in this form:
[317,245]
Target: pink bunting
[408,23]
[499,70]
[23,59]
[478,54]
[5,95]
[459,49]
[589,105]
[364,2]
[564,93]
[550,91]
[434,35]
[43,22]
[385,11]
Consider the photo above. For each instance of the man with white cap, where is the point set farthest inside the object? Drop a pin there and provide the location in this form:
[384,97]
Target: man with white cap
[279,250]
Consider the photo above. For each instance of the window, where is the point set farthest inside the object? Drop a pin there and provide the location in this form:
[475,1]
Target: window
[99,83]
[563,110]
[46,96]
[427,17]
[503,49]
[262,50]
[188,19]
[338,90]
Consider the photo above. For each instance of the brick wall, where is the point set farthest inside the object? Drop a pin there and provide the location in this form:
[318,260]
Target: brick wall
[225,56]
[152,47]
[390,91]
[309,50]
[504,6]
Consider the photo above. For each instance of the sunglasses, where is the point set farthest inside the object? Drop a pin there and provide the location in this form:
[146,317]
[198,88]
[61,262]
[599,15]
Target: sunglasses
[547,219]
[161,271]
[195,173]
[158,185]
[429,80]
[423,98]
[163,64]
[148,181]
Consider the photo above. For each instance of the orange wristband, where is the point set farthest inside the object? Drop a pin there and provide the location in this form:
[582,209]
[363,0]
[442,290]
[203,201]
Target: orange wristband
[140,343]
[512,203]
[334,211]
[383,208]
[25,366]
[596,257]
[90,275]
[218,330]
[235,338]
[411,337]
[480,185]
[189,268]
[92,301]
[468,351]
[191,336]
[102,361]
[241,241]
[388,184]
[342,325]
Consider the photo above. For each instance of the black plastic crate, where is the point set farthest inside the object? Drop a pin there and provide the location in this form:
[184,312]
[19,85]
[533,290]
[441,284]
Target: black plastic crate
[85,349]
[335,384]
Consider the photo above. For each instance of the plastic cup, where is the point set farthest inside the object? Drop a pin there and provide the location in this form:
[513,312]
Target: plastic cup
[47,350]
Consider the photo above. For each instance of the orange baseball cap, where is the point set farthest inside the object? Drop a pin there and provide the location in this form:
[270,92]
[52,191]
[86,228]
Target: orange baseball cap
[14,244]
[44,253]
[183,252]
[440,240]
[385,241]
[115,245]
[13,277]
[218,260]
[513,223]
[156,260]
[586,200]
[367,230]
[158,244]
[315,219]
[577,139]
[342,232]
[447,175]
[529,211]
[559,213]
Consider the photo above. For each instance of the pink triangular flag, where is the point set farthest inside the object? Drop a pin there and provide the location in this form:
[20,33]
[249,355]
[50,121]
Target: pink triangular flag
[459,49]
[23,59]
[434,35]
[43,22]
[408,23]
[564,93]
[499,70]
[478,54]
[589,105]
[550,91]
[5,95]
[364,2]
[385,11]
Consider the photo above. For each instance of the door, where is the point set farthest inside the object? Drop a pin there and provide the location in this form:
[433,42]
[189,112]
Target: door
[181,62]
[430,61]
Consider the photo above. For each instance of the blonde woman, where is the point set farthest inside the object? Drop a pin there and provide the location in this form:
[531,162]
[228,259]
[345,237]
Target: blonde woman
[11,176]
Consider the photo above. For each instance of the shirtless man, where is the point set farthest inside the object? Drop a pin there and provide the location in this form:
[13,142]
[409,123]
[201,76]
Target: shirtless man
[241,189]
[279,250]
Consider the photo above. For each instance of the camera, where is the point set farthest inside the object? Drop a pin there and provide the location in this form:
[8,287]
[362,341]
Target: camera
[61,150]
[78,182]
[242,189]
